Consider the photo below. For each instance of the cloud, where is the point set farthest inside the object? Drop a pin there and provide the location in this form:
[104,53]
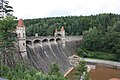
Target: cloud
[96,7]
[49,8]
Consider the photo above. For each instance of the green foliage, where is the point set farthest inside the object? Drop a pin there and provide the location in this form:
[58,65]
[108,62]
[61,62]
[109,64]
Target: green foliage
[18,72]
[91,39]
[7,38]
[54,70]
[116,26]
[74,25]
[87,77]
[100,40]
[82,67]
[6,32]
[97,55]
[5,8]
[80,70]
[22,72]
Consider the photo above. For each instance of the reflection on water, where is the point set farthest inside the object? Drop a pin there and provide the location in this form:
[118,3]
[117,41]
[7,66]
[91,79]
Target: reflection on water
[103,73]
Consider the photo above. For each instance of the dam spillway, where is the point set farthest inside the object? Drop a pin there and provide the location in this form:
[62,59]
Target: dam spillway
[42,51]
[42,54]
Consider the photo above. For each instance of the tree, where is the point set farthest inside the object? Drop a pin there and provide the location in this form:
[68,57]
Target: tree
[7,38]
[54,70]
[5,8]
[81,70]
[74,25]
[91,39]
[116,26]
[22,72]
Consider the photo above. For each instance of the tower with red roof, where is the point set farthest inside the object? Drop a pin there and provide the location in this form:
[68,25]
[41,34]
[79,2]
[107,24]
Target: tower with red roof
[21,35]
[63,35]
[60,33]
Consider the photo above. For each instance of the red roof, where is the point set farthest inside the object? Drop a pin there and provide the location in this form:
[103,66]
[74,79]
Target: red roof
[20,23]
[62,29]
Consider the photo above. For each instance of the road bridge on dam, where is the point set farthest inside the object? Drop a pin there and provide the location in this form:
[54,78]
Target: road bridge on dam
[42,39]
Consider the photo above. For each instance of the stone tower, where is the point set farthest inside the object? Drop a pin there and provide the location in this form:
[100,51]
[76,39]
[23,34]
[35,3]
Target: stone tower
[60,33]
[63,35]
[21,35]
[56,32]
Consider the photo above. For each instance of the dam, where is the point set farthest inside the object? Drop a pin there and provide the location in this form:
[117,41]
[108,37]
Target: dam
[43,51]
[42,55]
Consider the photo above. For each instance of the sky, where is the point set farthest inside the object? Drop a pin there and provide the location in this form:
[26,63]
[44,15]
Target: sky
[28,9]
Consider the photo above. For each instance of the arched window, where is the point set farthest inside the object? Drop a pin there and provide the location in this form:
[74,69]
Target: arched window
[18,34]
[23,34]
[23,44]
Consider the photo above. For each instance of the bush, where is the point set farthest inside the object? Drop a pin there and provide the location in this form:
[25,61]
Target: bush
[97,55]
[21,72]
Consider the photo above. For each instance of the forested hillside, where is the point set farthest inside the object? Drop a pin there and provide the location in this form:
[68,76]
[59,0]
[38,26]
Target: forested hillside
[74,25]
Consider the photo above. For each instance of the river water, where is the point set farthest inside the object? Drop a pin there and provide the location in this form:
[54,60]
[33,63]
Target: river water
[100,73]
[104,73]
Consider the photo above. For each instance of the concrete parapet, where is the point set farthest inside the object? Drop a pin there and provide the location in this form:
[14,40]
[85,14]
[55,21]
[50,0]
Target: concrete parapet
[105,63]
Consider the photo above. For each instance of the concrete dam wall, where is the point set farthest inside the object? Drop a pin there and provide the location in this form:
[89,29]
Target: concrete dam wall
[42,55]
[42,51]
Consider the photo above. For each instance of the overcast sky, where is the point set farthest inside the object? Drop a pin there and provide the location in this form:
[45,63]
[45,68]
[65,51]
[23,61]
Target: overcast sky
[28,9]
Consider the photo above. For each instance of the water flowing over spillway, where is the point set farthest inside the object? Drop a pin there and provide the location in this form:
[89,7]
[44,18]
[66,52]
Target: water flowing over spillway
[42,55]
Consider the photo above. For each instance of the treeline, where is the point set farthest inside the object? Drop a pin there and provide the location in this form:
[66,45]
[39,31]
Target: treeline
[98,39]
[74,25]
[102,41]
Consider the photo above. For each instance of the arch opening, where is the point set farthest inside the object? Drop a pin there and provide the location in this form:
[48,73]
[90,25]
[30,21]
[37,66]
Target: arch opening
[52,40]
[58,35]
[29,42]
[58,39]
[37,41]
[44,40]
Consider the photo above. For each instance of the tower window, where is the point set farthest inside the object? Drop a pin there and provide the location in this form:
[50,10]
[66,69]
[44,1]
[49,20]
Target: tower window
[23,44]
[23,34]
[18,34]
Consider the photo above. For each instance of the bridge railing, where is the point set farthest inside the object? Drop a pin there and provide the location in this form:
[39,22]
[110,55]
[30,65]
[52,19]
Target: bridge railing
[72,38]
[67,37]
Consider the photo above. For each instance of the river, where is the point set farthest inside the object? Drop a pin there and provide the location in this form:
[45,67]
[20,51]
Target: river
[104,73]
[100,73]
